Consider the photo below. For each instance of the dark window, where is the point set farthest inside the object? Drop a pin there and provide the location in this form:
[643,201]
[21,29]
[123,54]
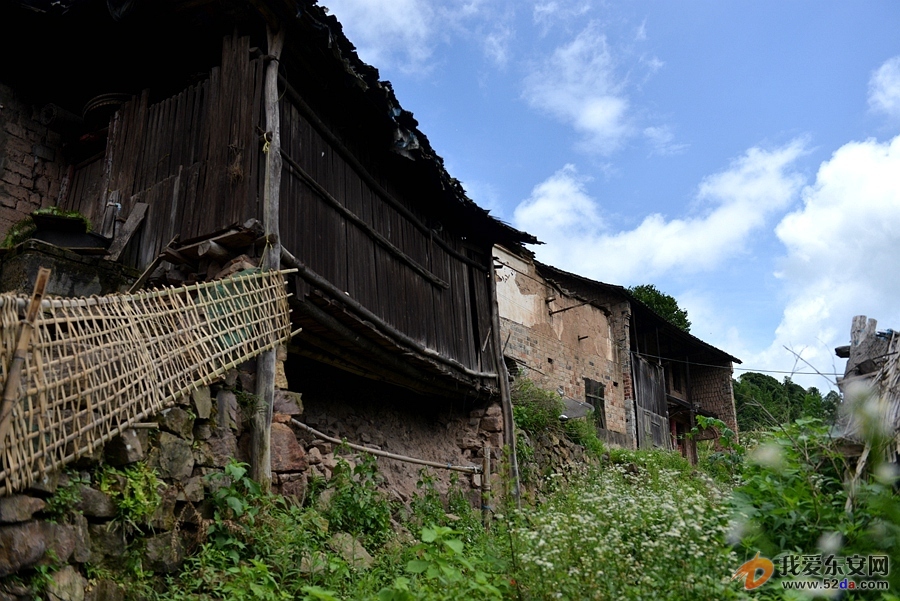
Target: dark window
[593,396]
[677,377]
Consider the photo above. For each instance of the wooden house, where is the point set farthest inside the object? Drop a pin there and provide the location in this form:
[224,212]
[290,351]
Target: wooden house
[594,342]
[120,108]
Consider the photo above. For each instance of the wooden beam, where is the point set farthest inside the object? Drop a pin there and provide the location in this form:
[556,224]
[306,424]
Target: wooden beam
[135,218]
[261,430]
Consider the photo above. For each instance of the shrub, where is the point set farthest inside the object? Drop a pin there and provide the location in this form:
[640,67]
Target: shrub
[535,410]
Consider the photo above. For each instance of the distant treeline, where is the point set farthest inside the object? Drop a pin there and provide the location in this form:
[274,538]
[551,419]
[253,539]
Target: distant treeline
[763,402]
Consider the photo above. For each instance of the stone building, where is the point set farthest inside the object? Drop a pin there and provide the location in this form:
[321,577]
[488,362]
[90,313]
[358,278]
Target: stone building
[596,343]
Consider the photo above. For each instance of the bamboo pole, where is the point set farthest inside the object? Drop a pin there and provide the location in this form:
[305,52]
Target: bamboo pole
[469,469]
[261,431]
[11,390]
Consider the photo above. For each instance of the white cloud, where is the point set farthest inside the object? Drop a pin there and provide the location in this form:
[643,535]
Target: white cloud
[396,33]
[732,205]
[842,249]
[884,88]
[497,44]
[578,84]
[662,140]
[549,12]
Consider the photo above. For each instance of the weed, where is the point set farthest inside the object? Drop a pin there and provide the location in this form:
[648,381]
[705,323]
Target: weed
[135,490]
[357,507]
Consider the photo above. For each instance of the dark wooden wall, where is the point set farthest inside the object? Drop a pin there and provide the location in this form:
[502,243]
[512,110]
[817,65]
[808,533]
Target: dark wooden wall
[196,159]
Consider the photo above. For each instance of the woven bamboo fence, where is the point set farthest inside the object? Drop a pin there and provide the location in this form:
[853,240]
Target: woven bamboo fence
[98,365]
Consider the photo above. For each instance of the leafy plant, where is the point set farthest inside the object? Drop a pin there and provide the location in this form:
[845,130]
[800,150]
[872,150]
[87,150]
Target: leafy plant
[135,490]
[726,459]
[442,571]
[236,505]
[66,496]
[357,507]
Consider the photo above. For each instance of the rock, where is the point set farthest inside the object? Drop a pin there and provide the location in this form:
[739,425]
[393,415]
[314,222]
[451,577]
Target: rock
[314,456]
[495,439]
[82,551]
[164,517]
[60,543]
[324,446]
[107,540]
[324,500]
[294,487]
[47,483]
[202,431]
[164,553]
[231,377]
[493,410]
[476,413]
[493,423]
[202,401]
[281,418]
[177,421]
[217,450]
[329,462]
[23,545]
[227,414]
[124,449]
[95,504]
[287,402]
[192,490]
[281,381]
[287,454]
[247,380]
[351,550]
[19,508]
[104,589]
[174,459]
[313,564]
[66,585]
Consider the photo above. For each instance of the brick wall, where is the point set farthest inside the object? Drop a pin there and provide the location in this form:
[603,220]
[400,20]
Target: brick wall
[31,163]
[711,391]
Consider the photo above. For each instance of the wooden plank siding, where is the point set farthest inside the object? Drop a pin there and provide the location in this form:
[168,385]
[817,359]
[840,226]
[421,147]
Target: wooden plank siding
[197,159]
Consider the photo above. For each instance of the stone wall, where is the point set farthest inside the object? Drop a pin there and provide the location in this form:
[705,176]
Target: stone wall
[392,419]
[31,162]
[184,444]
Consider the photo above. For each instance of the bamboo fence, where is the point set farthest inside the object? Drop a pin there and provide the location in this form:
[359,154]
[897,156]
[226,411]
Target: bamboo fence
[96,366]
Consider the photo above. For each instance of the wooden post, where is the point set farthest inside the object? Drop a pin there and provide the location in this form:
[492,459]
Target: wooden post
[486,487]
[261,430]
[509,424]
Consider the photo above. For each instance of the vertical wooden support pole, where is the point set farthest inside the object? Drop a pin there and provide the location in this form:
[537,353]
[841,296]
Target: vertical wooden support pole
[486,487]
[509,425]
[261,431]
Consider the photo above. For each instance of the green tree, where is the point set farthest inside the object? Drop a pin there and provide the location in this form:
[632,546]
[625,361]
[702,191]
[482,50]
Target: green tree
[759,398]
[663,304]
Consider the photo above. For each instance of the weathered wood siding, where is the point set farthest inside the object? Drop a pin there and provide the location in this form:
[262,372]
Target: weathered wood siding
[197,160]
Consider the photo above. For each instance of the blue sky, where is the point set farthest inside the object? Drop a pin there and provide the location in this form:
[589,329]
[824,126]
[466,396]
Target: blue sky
[741,156]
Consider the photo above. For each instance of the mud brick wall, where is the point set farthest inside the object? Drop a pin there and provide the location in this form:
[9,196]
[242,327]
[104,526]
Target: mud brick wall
[711,390]
[557,340]
[31,161]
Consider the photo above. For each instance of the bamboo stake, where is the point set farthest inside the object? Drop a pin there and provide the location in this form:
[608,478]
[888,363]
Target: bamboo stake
[11,390]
